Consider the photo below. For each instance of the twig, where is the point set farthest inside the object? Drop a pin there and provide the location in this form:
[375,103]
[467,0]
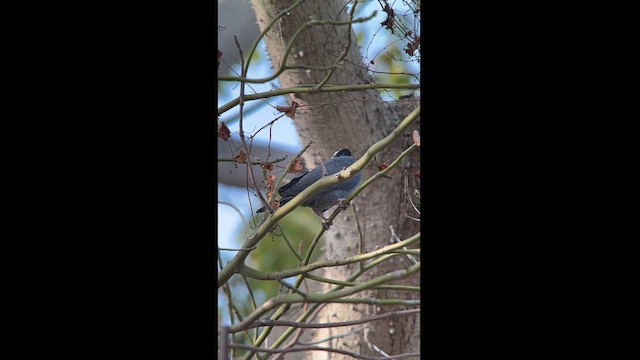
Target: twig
[395,238]
[406,192]
[299,331]
[343,53]
[351,283]
[360,238]
[245,148]
[264,322]
[305,89]
[257,162]
[339,336]
[305,316]
[260,275]
[288,51]
[336,296]
[289,245]
[320,348]
[231,249]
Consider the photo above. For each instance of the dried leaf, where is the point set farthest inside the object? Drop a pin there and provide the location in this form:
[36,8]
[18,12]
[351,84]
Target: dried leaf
[296,167]
[389,21]
[276,205]
[223,131]
[270,179]
[240,156]
[416,138]
[413,46]
[267,167]
[290,111]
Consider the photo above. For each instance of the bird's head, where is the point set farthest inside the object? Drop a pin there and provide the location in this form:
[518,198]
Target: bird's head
[341,152]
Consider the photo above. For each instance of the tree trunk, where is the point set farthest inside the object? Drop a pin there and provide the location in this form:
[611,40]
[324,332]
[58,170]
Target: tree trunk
[353,120]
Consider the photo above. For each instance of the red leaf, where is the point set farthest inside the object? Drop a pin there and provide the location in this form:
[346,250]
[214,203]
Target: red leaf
[267,167]
[389,21]
[290,111]
[270,179]
[413,46]
[240,156]
[223,131]
[296,167]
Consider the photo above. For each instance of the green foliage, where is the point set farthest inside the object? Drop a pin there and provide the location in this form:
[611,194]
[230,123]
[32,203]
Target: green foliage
[273,254]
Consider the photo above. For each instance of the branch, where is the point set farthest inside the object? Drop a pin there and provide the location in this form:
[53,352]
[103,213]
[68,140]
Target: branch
[336,296]
[313,308]
[306,89]
[259,275]
[264,322]
[320,348]
[351,283]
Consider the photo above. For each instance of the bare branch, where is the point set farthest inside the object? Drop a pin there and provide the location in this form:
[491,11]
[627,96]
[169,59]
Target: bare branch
[308,88]
[320,348]
[264,322]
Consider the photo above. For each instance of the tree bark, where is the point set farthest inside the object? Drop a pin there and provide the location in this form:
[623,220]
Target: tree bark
[353,120]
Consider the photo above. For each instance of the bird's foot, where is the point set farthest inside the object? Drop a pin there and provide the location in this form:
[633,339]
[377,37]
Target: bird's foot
[325,222]
[341,205]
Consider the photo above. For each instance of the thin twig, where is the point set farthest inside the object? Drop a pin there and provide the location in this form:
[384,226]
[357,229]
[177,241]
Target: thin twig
[264,322]
[320,348]
[289,245]
[360,238]
[339,336]
[308,88]
[343,53]
[406,192]
[245,148]
[395,238]
[231,249]
[336,296]
[260,275]
[283,67]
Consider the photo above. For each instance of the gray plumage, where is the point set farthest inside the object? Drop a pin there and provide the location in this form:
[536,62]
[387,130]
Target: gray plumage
[327,197]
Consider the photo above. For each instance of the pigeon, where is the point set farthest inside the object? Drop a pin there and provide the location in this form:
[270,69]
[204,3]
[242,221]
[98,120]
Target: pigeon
[327,197]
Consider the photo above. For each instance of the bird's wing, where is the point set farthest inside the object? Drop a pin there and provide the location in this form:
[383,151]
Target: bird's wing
[297,185]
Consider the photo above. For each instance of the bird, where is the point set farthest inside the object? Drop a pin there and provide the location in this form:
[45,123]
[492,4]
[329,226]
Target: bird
[327,197]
